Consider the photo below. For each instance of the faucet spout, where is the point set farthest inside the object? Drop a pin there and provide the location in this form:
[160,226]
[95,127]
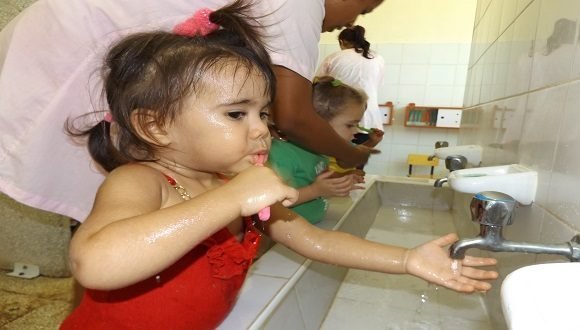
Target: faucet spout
[439,182]
[491,239]
[459,248]
[494,210]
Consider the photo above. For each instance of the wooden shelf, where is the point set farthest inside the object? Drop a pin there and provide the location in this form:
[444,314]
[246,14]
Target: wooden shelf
[432,116]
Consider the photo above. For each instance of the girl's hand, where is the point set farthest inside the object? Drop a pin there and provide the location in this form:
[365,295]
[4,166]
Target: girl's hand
[432,263]
[259,187]
[328,186]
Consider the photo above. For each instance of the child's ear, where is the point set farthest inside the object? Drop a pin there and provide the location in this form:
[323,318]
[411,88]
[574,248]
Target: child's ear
[148,128]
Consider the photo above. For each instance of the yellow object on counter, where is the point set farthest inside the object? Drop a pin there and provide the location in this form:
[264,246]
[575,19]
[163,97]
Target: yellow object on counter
[334,167]
[421,160]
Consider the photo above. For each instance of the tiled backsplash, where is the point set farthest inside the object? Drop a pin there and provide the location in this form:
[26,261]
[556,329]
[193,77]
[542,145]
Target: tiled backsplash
[523,94]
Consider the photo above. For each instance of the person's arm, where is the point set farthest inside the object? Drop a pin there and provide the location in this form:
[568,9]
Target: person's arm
[294,115]
[429,261]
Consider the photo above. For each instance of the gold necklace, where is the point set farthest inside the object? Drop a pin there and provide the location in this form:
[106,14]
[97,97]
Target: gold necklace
[179,188]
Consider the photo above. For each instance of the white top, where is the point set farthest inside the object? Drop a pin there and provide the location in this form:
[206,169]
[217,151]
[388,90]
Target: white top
[50,57]
[355,70]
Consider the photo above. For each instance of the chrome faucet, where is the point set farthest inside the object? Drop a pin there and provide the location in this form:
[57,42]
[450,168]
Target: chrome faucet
[439,182]
[452,163]
[494,210]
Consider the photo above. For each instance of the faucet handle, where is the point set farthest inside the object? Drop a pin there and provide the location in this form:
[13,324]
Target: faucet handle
[455,162]
[575,248]
[492,208]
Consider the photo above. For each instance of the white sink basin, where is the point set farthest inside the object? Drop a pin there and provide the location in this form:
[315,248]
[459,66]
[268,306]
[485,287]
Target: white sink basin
[543,296]
[515,180]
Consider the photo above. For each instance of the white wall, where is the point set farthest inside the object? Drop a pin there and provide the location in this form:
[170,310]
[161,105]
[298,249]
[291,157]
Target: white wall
[417,21]
[426,50]
[523,98]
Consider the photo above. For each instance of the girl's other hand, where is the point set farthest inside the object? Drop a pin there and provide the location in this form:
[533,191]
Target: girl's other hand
[327,185]
[258,187]
[432,263]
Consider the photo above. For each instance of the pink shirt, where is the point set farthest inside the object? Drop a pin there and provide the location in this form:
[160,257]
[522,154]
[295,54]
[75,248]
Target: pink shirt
[50,57]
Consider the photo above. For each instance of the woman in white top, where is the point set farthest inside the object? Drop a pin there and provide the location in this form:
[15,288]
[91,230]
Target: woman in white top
[356,65]
[50,57]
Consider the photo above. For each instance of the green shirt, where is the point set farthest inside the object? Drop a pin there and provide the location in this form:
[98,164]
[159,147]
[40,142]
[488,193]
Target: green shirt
[300,167]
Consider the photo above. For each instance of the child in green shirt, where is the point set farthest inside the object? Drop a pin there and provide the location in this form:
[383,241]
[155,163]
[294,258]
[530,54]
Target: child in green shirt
[343,107]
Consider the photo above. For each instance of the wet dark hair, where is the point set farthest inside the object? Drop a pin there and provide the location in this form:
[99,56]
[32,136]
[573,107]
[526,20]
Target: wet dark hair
[148,77]
[330,95]
[356,36]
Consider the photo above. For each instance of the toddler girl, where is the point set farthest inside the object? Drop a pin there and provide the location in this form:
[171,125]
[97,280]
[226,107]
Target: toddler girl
[171,234]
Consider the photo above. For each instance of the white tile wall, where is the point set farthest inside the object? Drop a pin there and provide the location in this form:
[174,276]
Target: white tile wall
[442,74]
[414,74]
[521,53]
[530,117]
[564,187]
[508,14]
[416,53]
[425,74]
[553,60]
[445,54]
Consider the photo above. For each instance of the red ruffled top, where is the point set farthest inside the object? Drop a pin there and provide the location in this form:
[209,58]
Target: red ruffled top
[197,292]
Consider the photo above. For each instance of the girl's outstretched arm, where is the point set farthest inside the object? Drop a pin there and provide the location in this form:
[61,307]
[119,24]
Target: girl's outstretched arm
[429,261]
[139,226]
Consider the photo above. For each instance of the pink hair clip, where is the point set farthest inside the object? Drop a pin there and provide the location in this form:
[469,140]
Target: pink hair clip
[108,117]
[198,24]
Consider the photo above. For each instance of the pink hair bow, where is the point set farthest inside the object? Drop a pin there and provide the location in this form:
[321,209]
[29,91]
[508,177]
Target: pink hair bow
[108,117]
[198,24]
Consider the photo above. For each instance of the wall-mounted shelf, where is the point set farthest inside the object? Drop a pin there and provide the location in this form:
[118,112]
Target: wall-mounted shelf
[387,112]
[432,117]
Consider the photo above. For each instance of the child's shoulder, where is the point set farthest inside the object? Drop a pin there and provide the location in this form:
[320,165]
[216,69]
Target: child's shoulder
[135,175]
[135,169]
